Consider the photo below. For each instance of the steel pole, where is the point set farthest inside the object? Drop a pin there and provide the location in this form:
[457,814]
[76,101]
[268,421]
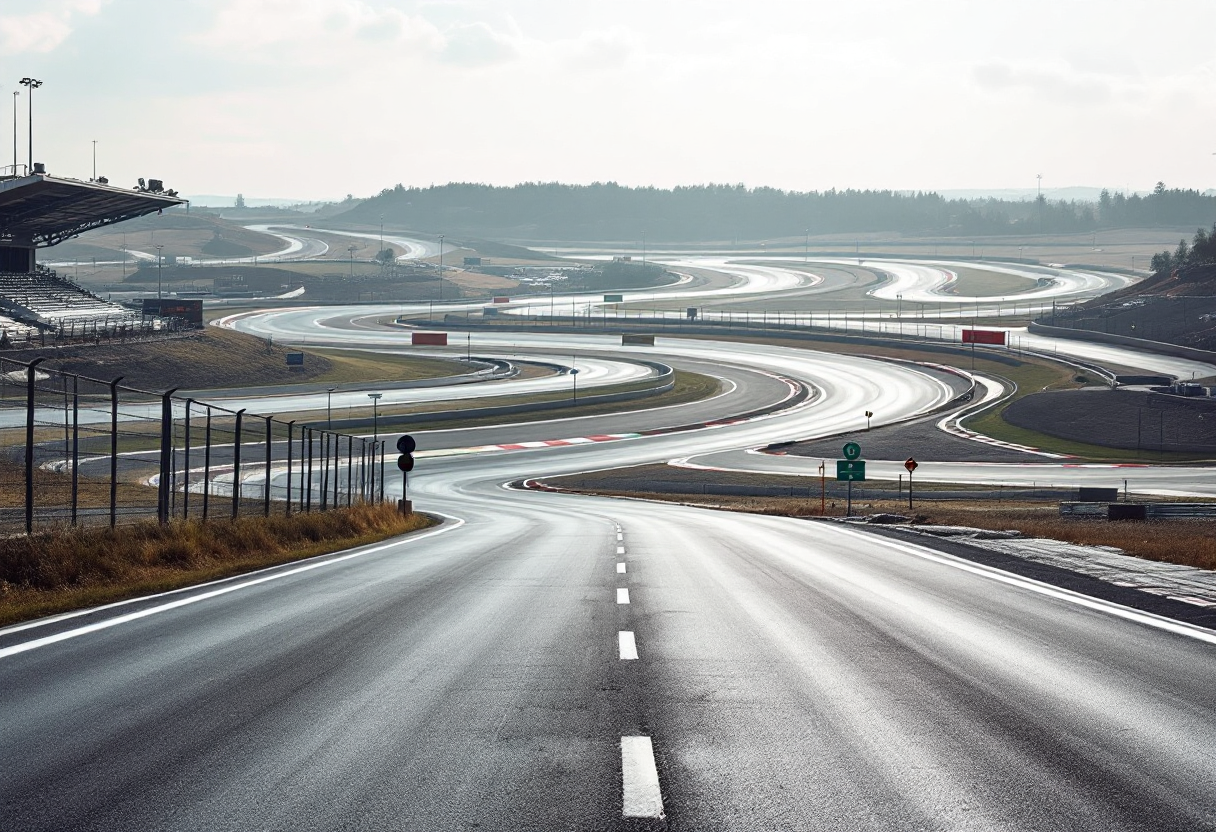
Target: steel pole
[236,466]
[31,375]
[114,451]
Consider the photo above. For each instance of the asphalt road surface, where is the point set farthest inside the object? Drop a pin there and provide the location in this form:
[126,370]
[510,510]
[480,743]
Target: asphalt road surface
[788,676]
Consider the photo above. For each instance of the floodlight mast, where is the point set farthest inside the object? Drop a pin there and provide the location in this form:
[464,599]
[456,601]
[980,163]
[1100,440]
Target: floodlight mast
[32,84]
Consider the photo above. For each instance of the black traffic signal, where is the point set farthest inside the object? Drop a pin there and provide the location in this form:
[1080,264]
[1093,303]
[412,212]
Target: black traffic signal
[406,446]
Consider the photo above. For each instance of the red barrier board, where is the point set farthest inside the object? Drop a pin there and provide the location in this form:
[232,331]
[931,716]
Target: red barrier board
[984,336]
[502,300]
[429,339]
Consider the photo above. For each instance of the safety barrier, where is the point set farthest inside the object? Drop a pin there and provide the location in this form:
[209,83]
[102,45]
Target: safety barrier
[78,450]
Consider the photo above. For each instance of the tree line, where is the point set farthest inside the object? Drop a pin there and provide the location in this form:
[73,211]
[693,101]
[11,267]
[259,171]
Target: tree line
[607,211]
[1201,252]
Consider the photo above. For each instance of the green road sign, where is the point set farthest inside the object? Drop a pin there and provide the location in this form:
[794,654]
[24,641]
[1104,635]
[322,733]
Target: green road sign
[850,470]
[852,450]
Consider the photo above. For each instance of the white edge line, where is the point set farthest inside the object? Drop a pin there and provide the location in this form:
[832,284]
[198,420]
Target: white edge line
[323,560]
[641,795]
[1101,605]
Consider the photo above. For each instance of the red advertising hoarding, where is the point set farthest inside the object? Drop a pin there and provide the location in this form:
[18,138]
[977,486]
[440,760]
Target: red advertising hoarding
[984,336]
[429,339]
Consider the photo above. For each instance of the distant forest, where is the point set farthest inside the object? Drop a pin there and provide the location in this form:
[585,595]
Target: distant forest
[725,213]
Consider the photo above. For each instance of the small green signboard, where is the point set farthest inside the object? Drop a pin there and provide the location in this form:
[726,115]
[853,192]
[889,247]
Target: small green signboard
[850,470]
[614,298]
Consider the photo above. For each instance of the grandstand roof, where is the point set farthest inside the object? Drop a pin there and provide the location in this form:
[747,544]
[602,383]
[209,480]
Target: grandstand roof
[43,210]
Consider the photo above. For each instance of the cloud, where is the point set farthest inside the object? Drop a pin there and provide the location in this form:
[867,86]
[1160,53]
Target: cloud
[45,29]
[1065,86]
[318,29]
[347,32]
[606,49]
[477,44]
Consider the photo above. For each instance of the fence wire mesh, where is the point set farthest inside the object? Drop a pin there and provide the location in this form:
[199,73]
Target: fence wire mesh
[76,450]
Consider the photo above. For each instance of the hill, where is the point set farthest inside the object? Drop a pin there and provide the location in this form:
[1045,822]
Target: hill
[608,212]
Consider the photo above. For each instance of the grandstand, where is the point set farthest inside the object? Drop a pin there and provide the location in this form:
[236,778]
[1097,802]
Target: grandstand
[38,210]
[46,301]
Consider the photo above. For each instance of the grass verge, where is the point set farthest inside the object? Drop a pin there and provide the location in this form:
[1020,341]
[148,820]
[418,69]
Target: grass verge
[70,569]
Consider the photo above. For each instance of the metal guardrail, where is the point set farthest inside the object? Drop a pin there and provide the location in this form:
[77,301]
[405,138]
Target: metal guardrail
[77,450]
[1151,511]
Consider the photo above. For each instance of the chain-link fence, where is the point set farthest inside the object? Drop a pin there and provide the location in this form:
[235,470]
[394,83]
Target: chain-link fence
[76,450]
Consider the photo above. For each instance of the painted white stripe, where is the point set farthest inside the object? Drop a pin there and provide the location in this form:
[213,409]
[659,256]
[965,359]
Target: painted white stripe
[628,645]
[641,796]
[620,536]
[622,596]
[320,561]
[1109,607]
[620,550]
[620,568]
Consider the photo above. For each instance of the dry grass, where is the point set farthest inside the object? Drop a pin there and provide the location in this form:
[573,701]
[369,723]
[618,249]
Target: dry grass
[1186,542]
[69,569]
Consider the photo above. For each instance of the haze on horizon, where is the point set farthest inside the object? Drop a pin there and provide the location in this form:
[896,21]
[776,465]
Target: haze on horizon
[314,99]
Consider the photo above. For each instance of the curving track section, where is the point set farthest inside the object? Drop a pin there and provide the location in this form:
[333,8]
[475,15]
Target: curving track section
[550,661]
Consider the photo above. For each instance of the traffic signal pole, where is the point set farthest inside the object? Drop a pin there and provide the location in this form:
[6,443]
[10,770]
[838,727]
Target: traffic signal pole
[405,463]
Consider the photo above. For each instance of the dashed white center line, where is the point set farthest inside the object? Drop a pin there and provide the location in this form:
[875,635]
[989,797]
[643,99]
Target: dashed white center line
[620,536]
[628,645]
[620,550]
[620,568]
[622,596]
[641,796]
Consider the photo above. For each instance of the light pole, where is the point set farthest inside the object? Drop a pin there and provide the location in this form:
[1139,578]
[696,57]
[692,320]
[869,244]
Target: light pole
[32,84]
[94,160]
[375,397]
[329,401]
[351,248]
[441,267]
[806,247]
[159,246]
[15,94]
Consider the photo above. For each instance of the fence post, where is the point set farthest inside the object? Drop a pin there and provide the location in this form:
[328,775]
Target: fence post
[290,430]
[236,466]
[166,455]
[114,451]
[324,470]
[30,375]
[75,448]
[381,453]
[308,493]
[371,471]
[350,469]
[207,465]
[337,479]
[269,446]
[186,465]
[365,460]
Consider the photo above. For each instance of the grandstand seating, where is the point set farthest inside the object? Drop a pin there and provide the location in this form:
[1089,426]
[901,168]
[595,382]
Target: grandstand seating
[44,300]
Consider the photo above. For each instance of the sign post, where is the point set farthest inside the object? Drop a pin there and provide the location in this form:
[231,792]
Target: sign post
[406,445]
[911,465]
[851,468]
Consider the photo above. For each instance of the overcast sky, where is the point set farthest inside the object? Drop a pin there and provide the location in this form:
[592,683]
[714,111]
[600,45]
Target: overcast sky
[320,98]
